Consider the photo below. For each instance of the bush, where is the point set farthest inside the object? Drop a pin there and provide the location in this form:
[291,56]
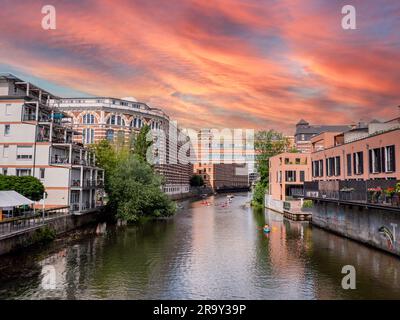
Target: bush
[196,181]
[28,186]
[43,235]
[259,195]
[307,204]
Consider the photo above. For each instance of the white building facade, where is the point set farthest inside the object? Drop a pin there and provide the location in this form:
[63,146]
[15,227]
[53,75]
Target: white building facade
[36,139]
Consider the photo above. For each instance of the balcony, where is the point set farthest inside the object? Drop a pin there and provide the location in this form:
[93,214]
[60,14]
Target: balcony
[369,192]
[59,160]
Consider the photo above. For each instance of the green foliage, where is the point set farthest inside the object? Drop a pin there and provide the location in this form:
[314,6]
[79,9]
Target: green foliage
[397,188]
[135,191]
[107,158]
[43,235]
[141,143]
[196,181]
[259,195]
[28,186]
[307,204]
[268,144]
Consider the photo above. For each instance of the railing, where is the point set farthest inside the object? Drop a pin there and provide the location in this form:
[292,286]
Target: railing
[368,191]
[29,117]
[59,160]
[30,219]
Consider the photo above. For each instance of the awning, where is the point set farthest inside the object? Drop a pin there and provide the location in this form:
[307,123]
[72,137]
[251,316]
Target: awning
[13,199]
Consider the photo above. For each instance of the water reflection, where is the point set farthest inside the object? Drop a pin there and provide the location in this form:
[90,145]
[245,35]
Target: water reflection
[215,251]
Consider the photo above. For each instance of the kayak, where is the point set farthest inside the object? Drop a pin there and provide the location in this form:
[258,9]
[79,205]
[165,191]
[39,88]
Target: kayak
[267,230]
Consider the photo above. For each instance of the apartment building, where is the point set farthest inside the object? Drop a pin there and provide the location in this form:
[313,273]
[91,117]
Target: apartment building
[305,131]
[287,174]
[365,152]
[36,139]
[117,120]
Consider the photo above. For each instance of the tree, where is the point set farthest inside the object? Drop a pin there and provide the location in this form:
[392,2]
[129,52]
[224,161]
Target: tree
[196,181]
[28,186]
[107,159]
[267,144]
[141,143]
[135,191]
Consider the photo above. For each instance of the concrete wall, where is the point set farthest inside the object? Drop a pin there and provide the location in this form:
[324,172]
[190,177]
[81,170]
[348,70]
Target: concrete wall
[376,227]
[60,225]
[276,205]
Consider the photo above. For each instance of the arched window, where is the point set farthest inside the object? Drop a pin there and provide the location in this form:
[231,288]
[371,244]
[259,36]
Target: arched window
[110,135]
[88,118]
[88,136]
[116,120]
[137,123]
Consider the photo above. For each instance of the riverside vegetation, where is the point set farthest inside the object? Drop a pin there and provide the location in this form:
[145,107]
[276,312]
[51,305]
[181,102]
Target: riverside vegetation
[133,187]
[267,144]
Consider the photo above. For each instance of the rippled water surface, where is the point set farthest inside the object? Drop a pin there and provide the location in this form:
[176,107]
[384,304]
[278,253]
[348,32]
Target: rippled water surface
[211,251]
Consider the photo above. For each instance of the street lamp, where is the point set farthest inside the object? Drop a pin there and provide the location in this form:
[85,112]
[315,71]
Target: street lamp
[43,204]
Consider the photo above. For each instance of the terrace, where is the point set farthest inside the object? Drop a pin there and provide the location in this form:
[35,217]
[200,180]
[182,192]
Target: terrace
[382,193]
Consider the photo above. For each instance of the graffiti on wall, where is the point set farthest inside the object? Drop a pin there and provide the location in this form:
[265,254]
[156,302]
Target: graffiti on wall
[390,235]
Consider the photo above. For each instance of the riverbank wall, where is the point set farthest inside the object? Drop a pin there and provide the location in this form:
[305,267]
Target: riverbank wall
[369,224]
[58,226]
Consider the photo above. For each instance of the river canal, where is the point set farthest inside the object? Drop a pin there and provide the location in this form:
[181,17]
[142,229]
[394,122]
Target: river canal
[211,251]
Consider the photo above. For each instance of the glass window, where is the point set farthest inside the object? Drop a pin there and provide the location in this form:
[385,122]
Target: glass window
[42,173]
[302,176]
[6,151]
[110,135]
[349,164]
[23,172]
[7,129]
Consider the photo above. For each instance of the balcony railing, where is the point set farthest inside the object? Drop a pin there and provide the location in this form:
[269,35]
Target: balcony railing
[59,160]
[380,192]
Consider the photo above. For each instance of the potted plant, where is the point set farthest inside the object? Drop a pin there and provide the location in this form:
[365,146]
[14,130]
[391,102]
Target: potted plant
[389,192]
[307,205]
[375,194]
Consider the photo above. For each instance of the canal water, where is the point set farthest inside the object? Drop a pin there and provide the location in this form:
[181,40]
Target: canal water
[215,251]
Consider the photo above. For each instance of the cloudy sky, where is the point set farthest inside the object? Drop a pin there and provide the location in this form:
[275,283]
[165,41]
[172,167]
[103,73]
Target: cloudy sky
[223,63]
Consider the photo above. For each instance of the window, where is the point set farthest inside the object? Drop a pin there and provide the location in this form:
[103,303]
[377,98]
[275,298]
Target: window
[42,173]
[297,160]
[290,176]
[348,162]
[88,118]
[8,109]
[5,171]
[337,166]
[24,153]
[110,135]
[116,120]
[390,159]
[302,176]
[321,168]
[358,162]
[375,160]
[7,129]
[315,168]
[6,151]
[88,136]
[23,172]
[137,123]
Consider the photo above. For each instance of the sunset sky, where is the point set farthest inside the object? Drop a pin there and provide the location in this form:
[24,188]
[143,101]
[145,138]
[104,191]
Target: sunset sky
[222,63]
